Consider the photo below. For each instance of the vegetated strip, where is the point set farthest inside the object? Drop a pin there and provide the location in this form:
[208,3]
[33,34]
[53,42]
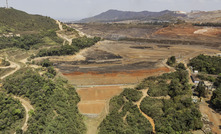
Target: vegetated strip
[166,41]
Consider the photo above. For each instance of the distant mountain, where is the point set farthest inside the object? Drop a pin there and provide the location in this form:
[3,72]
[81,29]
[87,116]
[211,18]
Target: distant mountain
[12,20]
[116,15]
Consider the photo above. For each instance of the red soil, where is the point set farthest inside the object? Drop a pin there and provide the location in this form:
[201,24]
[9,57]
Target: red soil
[91,108]
[94,99]
[98,93]
[127,77]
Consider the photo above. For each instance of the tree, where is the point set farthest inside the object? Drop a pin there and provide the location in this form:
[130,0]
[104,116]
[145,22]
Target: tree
[201,89]
[216,98]
[217,83]
[181,66]
[171,61]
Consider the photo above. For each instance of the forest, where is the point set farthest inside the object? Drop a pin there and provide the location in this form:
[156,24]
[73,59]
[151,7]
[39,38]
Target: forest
[77,44]
[124,116]
[206,64]
[177,114]
[216,97]
[31,41]
[53,99]
[16,21]
[174,115]
[208,24]
[11,113]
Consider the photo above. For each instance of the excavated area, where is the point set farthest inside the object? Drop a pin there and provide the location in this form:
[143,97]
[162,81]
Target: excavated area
[103,70]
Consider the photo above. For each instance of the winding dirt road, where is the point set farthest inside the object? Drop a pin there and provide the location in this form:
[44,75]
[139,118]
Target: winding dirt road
[26,104]
[64,37]
[146,116]
[12,65]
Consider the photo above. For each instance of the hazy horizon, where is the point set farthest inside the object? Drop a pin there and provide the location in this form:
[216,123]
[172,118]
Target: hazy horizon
[78,9]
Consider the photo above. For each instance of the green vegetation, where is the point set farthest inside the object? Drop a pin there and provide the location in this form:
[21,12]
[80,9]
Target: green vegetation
[208,24]
[206,64]
[69,30]
[58,51]
[176,115]
[5,62]
[30,41]
[171,61]
[50,73]
[21,30]
[158,88]
[11,113]
[209,65]
[201,89]
[54,101]
[168,41]
[206,77]
[216,98]
[124,116]
[16,21]
[180,66]
[131,94]
[4,71]
[77,44]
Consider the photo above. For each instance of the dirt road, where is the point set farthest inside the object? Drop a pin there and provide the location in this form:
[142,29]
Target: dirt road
[26,104]
[146,116]
[59,24]
[64,37]
[213,116]
[12,65]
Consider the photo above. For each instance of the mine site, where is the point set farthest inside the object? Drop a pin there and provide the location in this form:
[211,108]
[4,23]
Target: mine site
[109,70]
[105,69]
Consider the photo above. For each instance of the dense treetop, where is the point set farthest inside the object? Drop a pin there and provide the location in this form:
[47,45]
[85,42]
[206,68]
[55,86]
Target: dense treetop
[13,20]
[206,64]
[11,113]
[54,101]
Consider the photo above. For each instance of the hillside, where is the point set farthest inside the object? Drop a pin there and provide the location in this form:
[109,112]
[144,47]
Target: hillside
[26,31]
[116,15]
[12,20]
[202,16]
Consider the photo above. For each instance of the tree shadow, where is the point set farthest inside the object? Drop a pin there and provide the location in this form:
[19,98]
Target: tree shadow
[210,105]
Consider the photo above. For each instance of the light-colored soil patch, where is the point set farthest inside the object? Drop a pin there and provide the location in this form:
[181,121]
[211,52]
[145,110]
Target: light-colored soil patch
[208,31]
[213,116]
[91,107]
[94,99]
[94,104]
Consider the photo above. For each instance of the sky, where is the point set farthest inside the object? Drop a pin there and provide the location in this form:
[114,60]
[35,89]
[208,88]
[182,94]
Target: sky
[78,9]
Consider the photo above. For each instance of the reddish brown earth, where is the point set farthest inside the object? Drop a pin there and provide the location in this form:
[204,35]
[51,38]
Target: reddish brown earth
[129,77]
[91,108]
[98,93]
[189,32]
[94,99]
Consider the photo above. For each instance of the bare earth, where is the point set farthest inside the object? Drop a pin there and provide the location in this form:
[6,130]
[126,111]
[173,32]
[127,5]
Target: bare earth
[213,116]
[103,68]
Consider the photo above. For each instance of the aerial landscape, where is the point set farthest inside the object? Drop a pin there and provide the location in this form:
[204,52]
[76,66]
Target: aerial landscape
[110,67]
